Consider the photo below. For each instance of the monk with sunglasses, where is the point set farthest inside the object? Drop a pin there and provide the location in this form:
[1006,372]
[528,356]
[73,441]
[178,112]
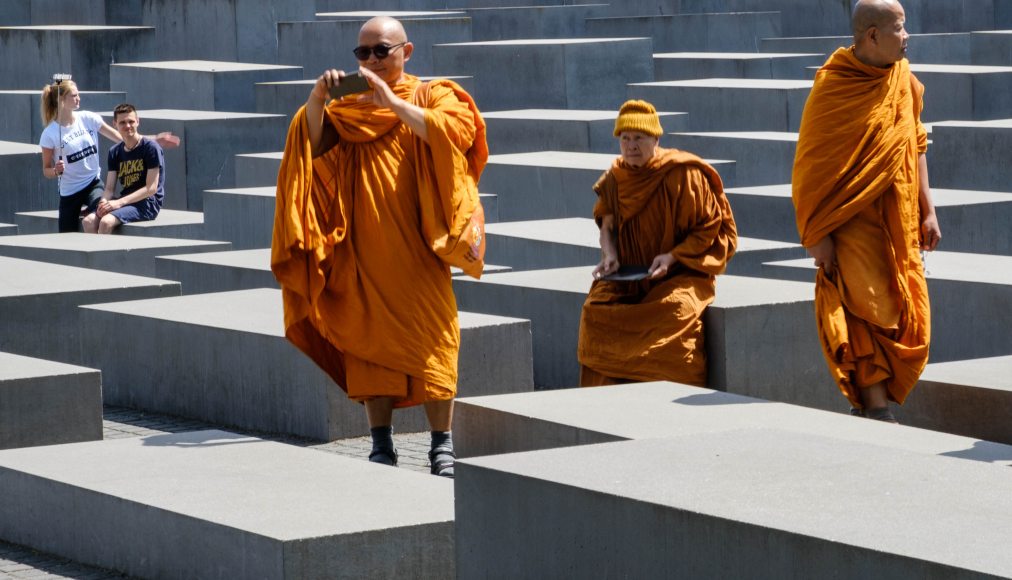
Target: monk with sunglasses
[373,189]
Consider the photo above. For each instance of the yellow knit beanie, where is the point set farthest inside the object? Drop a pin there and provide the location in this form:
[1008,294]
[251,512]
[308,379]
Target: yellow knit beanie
[638,116]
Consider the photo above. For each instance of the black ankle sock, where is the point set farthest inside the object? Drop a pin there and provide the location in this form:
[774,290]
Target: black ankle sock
[382,438]
[442,440]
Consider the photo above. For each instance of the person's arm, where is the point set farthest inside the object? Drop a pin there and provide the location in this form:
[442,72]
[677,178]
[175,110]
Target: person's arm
[609,251]
[316,103]
[931,233]
[110,188]
[109,133]
[824,252]
[149,189]
[383,96]
[51,170]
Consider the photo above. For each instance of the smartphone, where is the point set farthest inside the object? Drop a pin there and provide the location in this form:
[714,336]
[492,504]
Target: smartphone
[628,274]
[349,84]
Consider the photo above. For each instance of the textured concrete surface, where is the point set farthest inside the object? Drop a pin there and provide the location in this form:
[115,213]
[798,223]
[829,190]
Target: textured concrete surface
[23,187]
[971,155]
[784,501]
[940,48]
[170,223]
[22,122]
[257,169]
[123,254]
[760,157]
[671,66]
[568,417]
[740,31]
[544,21]
[991,47]
[243,216]
[47,403]
[39,305]
[8,229]
[972,93]
[223,358]
[205,85]
[194,506]
[970,397]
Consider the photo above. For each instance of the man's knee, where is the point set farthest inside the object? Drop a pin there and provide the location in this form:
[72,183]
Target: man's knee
[108,223]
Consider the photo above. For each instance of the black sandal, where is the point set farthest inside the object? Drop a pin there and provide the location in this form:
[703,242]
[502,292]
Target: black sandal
[441,462]
[384,456]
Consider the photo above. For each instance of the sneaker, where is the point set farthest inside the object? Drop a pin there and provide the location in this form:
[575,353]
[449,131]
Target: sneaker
[384,456]
[441,462]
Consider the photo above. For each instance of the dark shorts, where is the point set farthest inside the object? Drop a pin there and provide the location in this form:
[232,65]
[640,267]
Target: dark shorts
[70,205]
[142,211]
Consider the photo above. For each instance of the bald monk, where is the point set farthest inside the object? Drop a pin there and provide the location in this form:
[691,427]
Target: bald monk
[373,189]
[864,211]
[666,210]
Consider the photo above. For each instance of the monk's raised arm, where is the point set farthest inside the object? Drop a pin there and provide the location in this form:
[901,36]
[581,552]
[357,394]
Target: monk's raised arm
[315,104]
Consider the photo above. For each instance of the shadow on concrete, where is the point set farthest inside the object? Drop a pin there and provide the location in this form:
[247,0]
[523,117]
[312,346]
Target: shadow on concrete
[717,398]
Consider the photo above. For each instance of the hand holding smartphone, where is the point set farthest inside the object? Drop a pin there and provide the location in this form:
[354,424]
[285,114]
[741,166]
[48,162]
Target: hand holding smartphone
[348,85]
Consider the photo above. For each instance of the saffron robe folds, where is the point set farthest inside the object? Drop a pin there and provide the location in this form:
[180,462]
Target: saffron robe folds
[856,179]
[358,232]
[653,329]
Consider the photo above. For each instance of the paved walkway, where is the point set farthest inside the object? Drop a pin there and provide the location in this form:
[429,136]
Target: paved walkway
[18,562]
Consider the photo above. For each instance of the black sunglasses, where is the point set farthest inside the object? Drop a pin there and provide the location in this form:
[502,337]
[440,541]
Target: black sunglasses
[380,50]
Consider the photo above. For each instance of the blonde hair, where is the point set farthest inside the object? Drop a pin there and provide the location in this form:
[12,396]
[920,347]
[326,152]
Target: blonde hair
[50,104]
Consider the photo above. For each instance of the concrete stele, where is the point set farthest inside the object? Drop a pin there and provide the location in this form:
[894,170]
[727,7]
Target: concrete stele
[170,223]
[187,504]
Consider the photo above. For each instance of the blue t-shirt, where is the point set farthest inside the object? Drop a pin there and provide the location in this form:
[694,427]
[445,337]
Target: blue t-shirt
[132,167]
[79,150]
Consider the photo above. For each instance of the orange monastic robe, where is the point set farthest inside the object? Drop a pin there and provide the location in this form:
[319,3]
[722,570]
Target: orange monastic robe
[653,329]
[855,178]
[358,234]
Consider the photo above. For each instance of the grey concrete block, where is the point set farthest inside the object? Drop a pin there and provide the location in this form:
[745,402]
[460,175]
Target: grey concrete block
[799,17]
[33,53]
[672,507]
[731,32]
[546,21]
[961,92]
[23,187]
[363,15]
[122,254]
[39,305]
[210,141]
[968,397]
[490,203]
[716,104]
[22,122]
[563,130]
[1003,14]
[325,44]
[257,169]
[991,47]
[227,30]
[196,84]
[568,417]
[8,229]
[971,155]
[170,223]
[193,505]
[671,66]
[43,12]
[971,221]
[219,271]
[969,295]
[941,48]
[566,242]
[554,184]
[243,216]
[47,403]
[223,358]
[556,72]
[760,157]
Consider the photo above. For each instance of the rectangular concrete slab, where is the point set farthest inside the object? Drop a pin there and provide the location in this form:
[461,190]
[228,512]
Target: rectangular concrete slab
[554,184]
[716,104]
[991,47]
[738,31]
[8,229]
[32,54]
[46,403]
[243,216]
[971,154]
[556,71]
[29,12]
[195,505]
[209,85]
[170,223]
[22,122]
[760,157]
[556,21]
[585,131]
[969,296]
[223,358]
[938,48]
[210,141]
[257,169]
[671,66]
[567,417]
[123,254]
[784,501]
[23,187]
[965,92]
[970,397]
[39,305]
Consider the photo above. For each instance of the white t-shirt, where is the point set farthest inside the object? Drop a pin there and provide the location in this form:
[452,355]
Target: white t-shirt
[80,150]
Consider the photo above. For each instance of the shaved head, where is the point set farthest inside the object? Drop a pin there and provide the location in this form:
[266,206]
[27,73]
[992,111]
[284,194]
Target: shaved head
[384,26]
[869,13]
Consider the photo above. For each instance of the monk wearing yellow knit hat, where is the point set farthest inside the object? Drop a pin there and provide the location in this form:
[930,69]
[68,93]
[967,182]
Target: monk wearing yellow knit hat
[666,232]
[864,211]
